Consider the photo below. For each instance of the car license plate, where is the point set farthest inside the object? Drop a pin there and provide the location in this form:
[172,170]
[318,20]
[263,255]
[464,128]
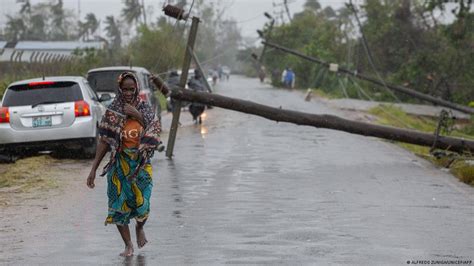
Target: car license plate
[42,121]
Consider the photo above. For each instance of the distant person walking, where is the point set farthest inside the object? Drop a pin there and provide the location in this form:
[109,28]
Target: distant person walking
[289,79]
[132,132]
[195,108]
[262,74]
[172,83]
[283,75]
[215,76]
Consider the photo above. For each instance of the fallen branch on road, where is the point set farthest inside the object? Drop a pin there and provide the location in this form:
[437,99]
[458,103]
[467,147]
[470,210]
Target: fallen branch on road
[326,121]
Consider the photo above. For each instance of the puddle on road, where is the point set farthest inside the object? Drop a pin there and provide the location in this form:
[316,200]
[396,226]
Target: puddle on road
[204,132]
[136,260]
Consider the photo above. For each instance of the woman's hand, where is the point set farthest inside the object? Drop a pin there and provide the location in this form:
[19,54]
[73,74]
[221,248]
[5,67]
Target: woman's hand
[90,179]
[132,111]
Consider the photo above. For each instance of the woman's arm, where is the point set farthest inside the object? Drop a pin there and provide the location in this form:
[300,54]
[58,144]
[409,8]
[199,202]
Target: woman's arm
[160,85]
[101,150]
[133,112]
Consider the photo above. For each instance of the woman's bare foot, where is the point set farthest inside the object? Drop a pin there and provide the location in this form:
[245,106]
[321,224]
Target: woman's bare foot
[141,239]
[128,252]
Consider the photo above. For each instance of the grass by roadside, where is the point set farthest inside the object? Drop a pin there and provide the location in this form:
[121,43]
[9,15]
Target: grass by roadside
[28,174]
[462,166]
[319,93]
[162,100]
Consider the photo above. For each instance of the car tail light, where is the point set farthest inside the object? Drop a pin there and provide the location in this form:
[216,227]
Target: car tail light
[39,83]
[143,96]
[81,108]
[4,115]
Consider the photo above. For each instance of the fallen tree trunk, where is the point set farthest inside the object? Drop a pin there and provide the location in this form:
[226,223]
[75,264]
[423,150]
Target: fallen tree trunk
[407,91]
[326,121]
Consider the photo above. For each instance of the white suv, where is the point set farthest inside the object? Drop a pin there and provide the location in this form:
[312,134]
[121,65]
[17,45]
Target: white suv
[53,113]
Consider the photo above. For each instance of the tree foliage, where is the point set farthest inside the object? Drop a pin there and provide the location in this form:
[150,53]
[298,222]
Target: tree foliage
[410,43]
[132,11]
[158,46]
[41,22]
[113,32]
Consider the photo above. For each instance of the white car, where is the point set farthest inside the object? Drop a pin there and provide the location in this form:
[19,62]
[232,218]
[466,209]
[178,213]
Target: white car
[54,113]
[104,81]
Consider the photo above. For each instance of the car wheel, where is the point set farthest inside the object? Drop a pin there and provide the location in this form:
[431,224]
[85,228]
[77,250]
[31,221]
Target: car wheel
[8,158]
[89,151]
[63,153]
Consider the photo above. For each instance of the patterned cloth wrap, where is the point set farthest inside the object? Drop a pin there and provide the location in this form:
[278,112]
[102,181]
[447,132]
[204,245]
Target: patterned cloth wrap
[128,199]
[128,170]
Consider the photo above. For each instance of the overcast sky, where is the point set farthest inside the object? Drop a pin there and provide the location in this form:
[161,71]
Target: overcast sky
[249,13]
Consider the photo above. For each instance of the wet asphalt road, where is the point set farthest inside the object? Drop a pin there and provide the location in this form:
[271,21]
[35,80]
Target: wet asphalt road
[245,190]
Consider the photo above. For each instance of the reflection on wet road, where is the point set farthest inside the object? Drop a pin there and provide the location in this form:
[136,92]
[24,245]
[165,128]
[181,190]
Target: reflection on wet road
[245,190]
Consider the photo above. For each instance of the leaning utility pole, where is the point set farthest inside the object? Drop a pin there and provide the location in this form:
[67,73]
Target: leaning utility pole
[200,69]
[285,3]
[270,28]
[178,13]
[404,90]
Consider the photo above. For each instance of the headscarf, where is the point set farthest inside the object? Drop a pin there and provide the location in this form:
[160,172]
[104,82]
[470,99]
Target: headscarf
[113,122]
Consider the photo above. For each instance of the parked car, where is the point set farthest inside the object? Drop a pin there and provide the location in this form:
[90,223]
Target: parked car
[53,113]
[104,81]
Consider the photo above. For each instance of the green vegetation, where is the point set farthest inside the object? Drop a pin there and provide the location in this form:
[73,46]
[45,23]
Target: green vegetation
[411,46]
[162,99]
[323,94]
[461,166]
[464,170]
[156,43]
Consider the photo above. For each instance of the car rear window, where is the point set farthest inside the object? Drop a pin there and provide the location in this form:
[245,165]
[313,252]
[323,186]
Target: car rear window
[26,94]
[104,81]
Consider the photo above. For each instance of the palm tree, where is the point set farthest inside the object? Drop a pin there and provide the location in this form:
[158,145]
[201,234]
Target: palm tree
[37,29]
[113,31]
[89,27]
[83,30]
[58,16]
[92,23]
[15,29]
[26,7]
[132,11]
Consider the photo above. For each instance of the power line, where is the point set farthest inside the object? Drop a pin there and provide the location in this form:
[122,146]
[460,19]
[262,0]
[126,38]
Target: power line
[369,54]
[249,19]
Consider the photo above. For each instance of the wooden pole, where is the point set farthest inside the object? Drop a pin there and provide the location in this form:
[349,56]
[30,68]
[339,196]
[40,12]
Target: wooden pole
[407,91]
[182,84]
[199,67]
[260,59]
[326,121]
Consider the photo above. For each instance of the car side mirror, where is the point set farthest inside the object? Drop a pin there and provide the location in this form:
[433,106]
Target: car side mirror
[105,97]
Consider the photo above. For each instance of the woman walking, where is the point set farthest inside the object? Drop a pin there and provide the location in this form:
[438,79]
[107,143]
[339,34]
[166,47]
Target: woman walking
[131,131]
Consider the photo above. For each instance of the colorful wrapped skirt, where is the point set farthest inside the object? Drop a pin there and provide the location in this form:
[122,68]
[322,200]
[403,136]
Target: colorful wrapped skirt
[128,199]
